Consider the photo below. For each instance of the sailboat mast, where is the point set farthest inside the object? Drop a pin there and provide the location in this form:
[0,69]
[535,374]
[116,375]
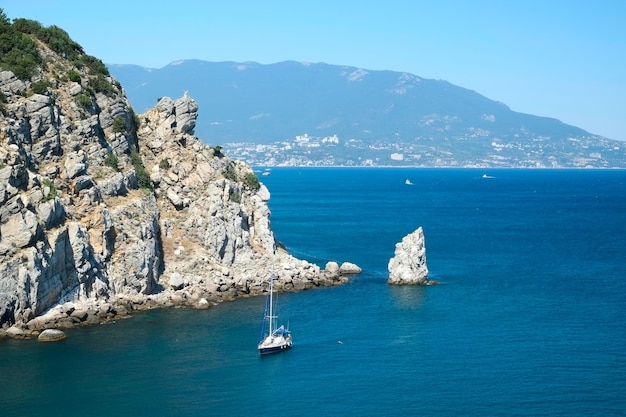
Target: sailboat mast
[271,317]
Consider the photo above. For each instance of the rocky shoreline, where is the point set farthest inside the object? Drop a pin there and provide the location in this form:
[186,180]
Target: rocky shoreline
[72,314]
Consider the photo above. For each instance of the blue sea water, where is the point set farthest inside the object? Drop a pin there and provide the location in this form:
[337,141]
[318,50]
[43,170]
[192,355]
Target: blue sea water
[528,319]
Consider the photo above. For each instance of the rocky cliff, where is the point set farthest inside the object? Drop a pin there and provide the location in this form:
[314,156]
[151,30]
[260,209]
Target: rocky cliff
[103,212]
[408,266]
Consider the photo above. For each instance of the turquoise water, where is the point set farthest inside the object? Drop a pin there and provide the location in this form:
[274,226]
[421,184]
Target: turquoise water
[528,319]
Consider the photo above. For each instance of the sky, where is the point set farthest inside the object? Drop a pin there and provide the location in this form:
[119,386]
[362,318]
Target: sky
[564,59]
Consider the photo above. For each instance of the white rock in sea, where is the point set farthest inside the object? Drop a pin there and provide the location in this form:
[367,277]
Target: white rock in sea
[332,267]
[408,266]
[349,268]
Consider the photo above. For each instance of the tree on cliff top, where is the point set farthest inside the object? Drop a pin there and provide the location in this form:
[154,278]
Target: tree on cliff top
[19,54]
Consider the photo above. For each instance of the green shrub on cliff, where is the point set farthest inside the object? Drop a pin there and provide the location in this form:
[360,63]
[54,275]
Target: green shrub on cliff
[18,52]
[143,178]
[234,196]
[251,181]
[164,164]
[3,100]
[83,100]
[99,84]
[96,66]
[230,174]
[40,87]
[52,191]
[119,125]
[60,42]
[56,38]
[217,151]
[112,161]
[73,76]
[134,118]
[27,26]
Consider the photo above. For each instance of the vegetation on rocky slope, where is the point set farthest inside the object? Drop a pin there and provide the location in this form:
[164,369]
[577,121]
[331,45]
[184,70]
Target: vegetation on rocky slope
[20,55]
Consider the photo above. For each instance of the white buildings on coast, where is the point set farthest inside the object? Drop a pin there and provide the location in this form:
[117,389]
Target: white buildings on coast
[467,152]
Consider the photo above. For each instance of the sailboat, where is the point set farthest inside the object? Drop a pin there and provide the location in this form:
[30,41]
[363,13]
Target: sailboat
[273,338]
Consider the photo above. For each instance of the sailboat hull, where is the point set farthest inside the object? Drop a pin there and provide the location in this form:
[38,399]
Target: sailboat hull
[274,344]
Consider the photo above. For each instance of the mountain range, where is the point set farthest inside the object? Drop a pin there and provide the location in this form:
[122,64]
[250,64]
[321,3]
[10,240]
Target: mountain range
[295,113]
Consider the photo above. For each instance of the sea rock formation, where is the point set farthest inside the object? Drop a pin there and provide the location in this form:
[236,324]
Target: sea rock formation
[346,268]
[408,266]
[103,212]
[349,268]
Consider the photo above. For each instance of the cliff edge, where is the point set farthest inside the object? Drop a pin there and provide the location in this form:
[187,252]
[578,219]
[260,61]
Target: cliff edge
[103,212]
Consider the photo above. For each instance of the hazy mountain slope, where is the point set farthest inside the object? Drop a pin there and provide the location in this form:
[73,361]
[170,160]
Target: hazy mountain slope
[373,114]
[269,102]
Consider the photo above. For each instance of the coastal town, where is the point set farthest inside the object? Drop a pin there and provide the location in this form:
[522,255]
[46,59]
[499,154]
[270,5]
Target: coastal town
[473,151]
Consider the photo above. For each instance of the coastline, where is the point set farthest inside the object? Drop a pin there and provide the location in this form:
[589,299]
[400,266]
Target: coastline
[72,314]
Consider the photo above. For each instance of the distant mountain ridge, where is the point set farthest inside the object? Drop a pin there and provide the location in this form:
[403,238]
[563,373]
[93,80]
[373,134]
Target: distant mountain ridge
[367,117]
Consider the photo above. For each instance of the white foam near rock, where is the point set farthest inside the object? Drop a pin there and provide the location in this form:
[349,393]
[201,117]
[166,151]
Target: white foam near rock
[408,266]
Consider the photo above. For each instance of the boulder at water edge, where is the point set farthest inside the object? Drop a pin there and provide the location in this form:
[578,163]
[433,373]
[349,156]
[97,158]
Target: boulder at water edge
[51,335]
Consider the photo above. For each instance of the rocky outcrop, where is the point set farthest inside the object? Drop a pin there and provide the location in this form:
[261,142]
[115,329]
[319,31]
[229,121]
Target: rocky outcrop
[346,268]
[103,212]
[408,266]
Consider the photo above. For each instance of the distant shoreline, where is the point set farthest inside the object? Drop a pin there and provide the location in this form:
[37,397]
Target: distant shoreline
[264,167]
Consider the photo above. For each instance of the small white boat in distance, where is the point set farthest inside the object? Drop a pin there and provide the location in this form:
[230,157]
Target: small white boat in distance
[487,176]
[408,182]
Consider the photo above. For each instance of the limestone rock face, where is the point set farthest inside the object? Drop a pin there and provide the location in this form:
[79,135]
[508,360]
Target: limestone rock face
[408,266]
[103,212]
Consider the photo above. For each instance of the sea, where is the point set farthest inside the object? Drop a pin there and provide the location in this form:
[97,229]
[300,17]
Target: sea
[528,318]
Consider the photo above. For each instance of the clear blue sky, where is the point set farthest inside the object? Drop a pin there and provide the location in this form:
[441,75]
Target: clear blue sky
[557,58]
